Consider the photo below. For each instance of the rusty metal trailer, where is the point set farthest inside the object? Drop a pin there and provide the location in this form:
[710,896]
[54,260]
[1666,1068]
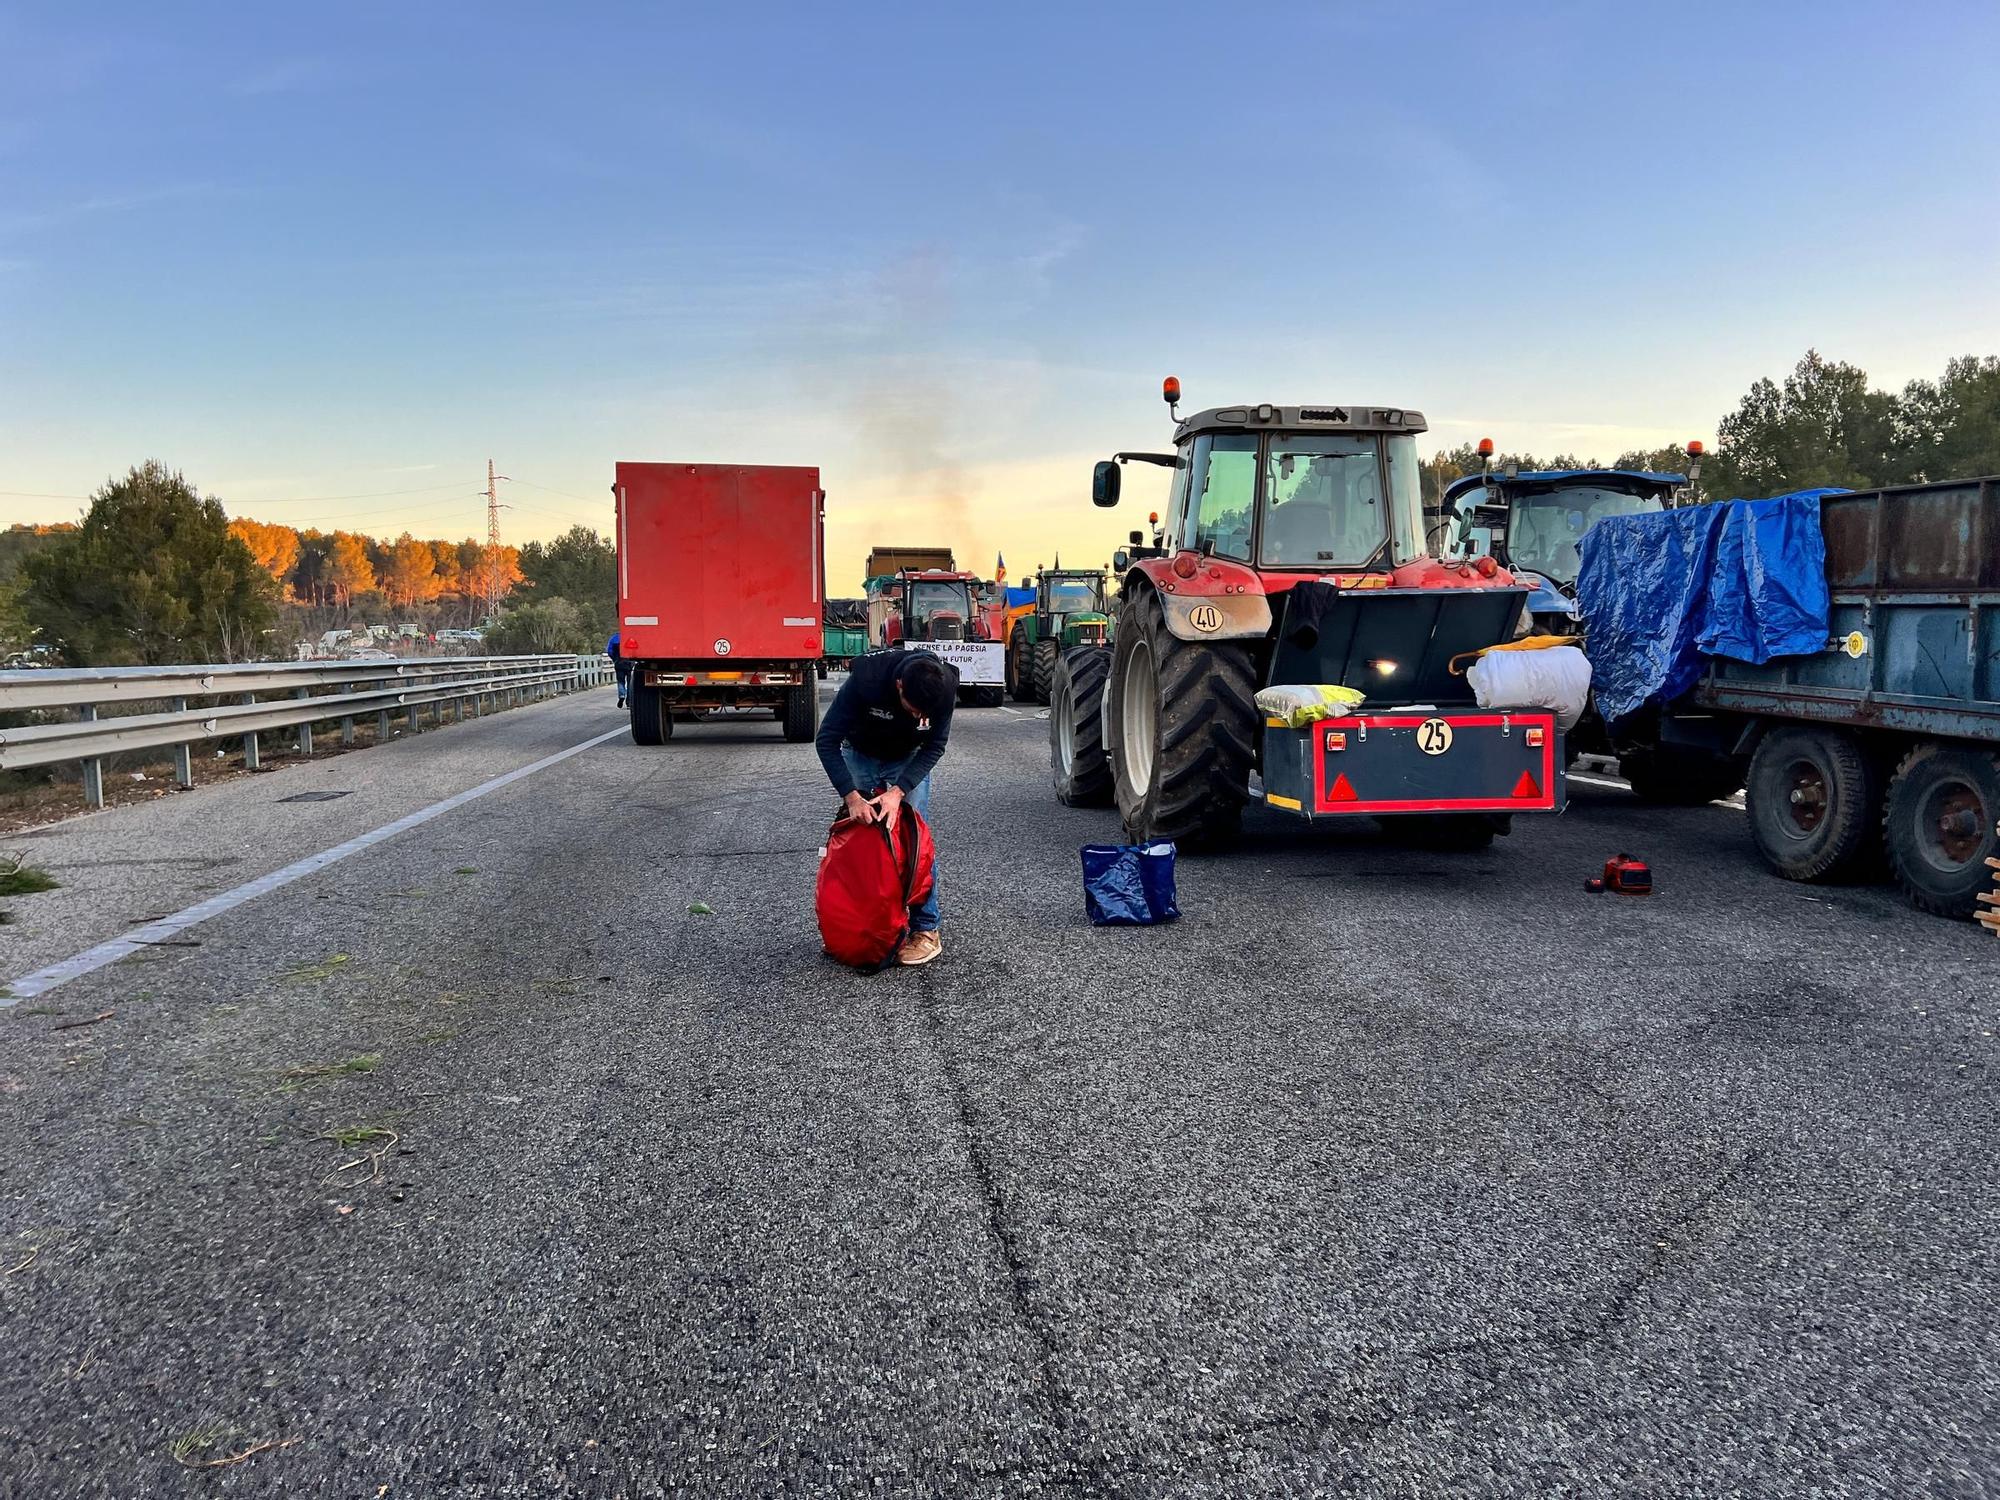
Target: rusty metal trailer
[1886,744]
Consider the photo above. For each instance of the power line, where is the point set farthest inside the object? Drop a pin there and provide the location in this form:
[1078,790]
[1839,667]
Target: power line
[566,494]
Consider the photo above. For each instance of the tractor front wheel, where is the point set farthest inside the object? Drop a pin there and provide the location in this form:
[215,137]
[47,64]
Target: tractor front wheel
[1047,654]
[1186,717]
[1077,762]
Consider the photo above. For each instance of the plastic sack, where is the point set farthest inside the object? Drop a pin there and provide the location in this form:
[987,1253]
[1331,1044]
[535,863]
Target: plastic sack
[1129,885]
[1557,679]
[1308,703]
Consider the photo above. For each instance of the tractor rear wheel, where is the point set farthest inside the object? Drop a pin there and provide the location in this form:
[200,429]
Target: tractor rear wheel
[1185,717]
[652,722]
[1047,654]
[1020,667]
[1938,822]
[1077,762]
[801,712]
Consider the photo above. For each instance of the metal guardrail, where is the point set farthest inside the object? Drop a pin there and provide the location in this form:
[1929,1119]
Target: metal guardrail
[348,689]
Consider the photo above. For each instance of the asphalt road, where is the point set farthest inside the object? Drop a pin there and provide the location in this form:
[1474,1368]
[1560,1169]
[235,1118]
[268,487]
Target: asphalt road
[1382,1173]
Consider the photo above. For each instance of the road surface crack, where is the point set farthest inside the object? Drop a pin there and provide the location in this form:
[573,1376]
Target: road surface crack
[1075,1467]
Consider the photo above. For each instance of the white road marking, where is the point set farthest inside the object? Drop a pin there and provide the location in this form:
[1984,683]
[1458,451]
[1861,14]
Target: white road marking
[1006,710]
[92,959]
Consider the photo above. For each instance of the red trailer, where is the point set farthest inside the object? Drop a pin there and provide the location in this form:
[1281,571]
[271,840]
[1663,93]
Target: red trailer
[720,583]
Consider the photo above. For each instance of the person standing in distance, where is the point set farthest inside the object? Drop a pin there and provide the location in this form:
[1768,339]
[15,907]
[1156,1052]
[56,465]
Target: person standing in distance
[887,727]
[619,666]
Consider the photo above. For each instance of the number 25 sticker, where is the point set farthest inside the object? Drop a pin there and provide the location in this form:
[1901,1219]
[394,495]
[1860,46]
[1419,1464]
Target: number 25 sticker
[1434,736]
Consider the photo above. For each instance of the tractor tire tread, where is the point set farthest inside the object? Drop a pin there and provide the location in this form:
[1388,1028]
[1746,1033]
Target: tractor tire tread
[1081,674]
[1205,748]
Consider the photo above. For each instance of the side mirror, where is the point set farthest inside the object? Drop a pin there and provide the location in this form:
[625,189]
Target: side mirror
[1104,482]
[1121,559]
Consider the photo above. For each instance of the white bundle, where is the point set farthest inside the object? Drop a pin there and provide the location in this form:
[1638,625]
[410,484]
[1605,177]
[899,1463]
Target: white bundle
[1556,678]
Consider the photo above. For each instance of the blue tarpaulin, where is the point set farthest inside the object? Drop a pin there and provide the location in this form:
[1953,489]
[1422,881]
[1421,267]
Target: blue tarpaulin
[1744,579]
[1019,596]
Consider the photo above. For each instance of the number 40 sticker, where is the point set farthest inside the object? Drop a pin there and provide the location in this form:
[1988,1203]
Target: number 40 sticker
[1434,736]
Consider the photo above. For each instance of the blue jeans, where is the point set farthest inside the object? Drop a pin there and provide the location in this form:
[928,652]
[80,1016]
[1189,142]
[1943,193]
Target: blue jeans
[869,773]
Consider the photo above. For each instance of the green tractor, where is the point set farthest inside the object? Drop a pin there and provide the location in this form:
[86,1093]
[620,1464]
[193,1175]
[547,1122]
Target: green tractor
[1069,611]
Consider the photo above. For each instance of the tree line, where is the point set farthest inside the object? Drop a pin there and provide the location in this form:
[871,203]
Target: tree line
[156,573]
[1821,427]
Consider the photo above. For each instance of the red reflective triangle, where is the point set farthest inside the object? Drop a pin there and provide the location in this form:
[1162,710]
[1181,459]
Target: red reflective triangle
[1526,786]
[1342,791]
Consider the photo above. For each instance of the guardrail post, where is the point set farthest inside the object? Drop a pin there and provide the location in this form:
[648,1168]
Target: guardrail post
[347,729]
[183,754]
[93,768]
[252,757]
[382,727]
[305,729]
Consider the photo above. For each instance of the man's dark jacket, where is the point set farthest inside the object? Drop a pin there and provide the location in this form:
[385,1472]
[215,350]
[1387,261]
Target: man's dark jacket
[868,714]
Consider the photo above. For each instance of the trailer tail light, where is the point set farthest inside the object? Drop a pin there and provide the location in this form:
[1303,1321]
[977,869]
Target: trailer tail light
[1184,564]
[1534,738]
[725,676]
[1336,739]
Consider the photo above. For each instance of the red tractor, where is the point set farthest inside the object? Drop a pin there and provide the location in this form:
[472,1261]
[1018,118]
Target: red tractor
[947,613]
[1293,553]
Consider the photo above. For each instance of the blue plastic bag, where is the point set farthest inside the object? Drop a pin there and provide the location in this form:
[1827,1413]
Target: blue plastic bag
[1129,885]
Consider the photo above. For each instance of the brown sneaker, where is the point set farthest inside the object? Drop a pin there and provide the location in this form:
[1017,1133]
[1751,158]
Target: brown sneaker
[919,948]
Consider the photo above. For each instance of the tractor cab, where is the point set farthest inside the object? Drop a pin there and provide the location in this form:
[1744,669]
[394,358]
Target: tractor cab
[1068,610]
[1533,523]
[1070,607]
[924,605]
[1289,491]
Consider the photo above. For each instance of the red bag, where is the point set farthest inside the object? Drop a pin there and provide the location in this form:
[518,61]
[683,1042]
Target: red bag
[869,878]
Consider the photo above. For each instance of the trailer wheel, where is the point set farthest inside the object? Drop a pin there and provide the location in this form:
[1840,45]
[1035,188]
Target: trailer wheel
[801,712]
[1020,671]
[652,722]
[1186,719]
[1938,823]
[1680,778]
[1077,761]
[1814,801]
[1047,654]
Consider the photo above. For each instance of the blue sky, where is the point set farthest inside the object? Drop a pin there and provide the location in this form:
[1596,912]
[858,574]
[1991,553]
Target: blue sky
[945,252]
